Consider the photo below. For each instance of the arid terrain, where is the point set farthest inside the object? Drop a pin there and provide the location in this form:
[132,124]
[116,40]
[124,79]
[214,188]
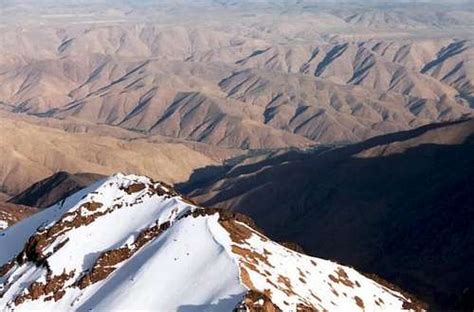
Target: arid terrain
[343,127]
[224,79]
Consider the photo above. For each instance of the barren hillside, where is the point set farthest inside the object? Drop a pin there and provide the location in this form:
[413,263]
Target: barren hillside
[260,75]
[31,152]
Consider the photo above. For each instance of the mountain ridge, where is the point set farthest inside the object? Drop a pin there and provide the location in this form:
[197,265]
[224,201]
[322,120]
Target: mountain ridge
[254,271]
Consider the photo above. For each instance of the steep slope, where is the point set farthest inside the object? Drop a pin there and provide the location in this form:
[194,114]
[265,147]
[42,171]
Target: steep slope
[453,65]
[327,112]
[29,153]
[148,240]
[375,205]
[203,119]
[49,191]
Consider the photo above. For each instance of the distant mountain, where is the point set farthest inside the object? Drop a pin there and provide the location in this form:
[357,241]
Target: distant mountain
[49,191]
[270,75]
[398,205]
[131,243]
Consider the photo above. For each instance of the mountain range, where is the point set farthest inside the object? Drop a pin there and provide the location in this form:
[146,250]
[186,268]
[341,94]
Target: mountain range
[245,79]
[296,130]
[332,202]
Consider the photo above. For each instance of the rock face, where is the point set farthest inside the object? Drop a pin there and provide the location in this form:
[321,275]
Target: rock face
[122,241]
[376,206]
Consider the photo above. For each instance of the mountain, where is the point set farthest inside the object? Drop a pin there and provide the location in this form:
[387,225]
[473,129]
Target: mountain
[30,152]
[243,75]
[148,240]
[51,190]
[397,205]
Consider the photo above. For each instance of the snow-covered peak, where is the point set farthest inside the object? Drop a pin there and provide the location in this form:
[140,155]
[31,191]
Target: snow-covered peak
[128,242]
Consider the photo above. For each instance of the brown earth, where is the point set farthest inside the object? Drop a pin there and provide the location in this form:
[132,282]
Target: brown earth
[12,213]
[30,152]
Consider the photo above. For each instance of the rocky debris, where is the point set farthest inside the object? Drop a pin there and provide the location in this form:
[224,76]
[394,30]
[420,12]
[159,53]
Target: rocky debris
[106,263]
[133,188]
[12,213]
[52,288]
[256,302]
[341,277]
[262,262]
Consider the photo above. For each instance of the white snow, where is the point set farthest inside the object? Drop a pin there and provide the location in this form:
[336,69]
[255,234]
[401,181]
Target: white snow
[315,286]
[188,267]
[183,270]
[3,225]
[15,236]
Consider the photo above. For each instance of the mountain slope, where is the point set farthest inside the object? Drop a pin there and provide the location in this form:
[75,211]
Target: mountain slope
[375,205]
[49,191]
[31,152]
[148,240]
